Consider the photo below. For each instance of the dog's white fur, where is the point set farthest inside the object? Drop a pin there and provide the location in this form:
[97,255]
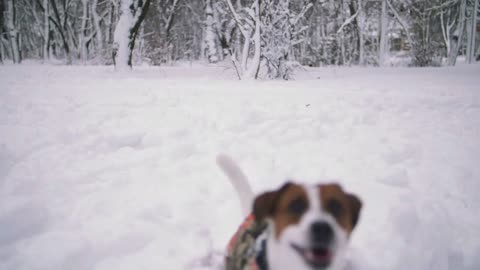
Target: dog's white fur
[280,255]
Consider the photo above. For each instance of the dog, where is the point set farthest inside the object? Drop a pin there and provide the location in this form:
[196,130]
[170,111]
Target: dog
[295,227]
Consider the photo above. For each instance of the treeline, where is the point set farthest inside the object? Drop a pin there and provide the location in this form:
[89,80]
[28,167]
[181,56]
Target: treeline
[276,34]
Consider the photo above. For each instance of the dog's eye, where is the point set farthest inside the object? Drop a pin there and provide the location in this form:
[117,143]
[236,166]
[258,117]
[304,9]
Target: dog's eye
[297,206]
[335,208]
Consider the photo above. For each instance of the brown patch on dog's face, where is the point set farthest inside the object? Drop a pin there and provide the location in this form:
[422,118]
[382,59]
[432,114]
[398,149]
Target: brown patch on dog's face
[344,207]
[284,206]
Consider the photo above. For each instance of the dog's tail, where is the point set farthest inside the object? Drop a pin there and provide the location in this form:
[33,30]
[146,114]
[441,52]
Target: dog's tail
[238,180]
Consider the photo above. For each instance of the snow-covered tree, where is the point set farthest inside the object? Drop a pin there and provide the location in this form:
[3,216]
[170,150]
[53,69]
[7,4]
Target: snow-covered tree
[457,41]
[384,49]
[210,35]
[351,33]
[360,23]
[165,29]
[282,29]
[341,33]
[249,24]
[426,42]
[132,14]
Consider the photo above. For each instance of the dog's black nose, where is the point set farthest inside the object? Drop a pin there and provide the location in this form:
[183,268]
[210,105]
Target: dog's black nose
[321,233]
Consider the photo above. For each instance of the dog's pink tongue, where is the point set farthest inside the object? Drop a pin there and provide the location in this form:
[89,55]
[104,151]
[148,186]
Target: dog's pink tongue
[317,256]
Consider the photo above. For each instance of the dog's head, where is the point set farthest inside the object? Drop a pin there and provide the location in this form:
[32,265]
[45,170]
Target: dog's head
[309,225]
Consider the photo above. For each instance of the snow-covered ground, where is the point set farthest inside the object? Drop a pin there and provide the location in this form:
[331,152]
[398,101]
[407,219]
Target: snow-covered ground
[104,170]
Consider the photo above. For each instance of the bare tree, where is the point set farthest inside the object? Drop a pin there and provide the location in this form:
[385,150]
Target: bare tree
[62,28]
[12,30]
[46,32]
[96,19]
[83,39]
[471,31]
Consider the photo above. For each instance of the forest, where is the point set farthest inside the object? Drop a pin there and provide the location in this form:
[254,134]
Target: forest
[269,37]
[114,113]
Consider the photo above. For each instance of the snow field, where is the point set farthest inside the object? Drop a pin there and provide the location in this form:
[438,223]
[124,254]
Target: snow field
[103,170]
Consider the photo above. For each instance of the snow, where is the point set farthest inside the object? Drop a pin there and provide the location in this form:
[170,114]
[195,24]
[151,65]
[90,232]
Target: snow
[116,170]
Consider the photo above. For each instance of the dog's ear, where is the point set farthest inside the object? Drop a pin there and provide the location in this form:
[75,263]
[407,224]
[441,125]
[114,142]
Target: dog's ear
[355,206]
[265,203]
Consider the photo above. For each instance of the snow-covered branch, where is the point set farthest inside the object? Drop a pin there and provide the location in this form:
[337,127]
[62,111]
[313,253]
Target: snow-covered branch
[236,17]
[348,21]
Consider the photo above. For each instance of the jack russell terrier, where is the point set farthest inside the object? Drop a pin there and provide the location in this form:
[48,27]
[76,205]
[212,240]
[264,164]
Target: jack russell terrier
[295,227]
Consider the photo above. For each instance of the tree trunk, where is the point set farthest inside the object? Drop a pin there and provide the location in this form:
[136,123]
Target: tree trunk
[249,70]
[2,51]
[472,30]
[478,53]
[46,32]
[238,36]
[254,67]
[446,28]
[96,25]
[61,30]
[361,40]
[210,36]
[132,16]
[245,51]
[121,35]
[109,26]
[140,15]
[457,39]
[12,31]
[383,50]
[82,35]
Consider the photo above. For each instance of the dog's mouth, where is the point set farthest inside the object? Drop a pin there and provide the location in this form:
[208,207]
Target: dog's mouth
[317,257]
